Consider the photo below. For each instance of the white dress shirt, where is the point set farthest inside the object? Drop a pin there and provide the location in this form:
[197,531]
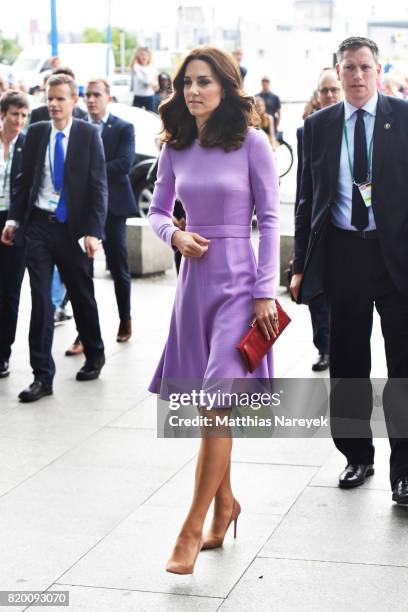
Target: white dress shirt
[341,211]
[47,190]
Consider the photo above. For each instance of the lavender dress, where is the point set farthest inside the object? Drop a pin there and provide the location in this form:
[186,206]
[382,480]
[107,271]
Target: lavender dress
[214,297]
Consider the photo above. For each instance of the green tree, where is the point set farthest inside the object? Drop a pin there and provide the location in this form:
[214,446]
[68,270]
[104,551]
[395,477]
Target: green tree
[9,49]
[92,35]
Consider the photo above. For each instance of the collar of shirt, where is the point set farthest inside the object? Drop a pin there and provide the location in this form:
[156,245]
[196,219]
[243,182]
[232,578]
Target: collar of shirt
[12,142]
[104,119]
[66,130]
[370,107]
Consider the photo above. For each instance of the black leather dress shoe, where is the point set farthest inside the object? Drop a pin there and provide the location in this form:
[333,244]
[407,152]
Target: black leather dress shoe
[4,369]
[35,391]
[322,363]
[90,371]
[400,491]
[355,474]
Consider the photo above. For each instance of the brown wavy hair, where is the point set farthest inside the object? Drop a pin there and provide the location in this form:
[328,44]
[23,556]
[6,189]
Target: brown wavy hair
[228,124]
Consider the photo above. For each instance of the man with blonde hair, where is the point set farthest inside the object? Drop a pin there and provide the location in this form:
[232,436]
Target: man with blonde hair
[60,200]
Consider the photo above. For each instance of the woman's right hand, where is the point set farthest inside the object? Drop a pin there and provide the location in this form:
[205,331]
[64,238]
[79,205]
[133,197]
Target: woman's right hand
[190,244]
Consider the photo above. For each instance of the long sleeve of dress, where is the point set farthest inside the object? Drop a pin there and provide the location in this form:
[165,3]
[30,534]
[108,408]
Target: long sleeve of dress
[265,190]
[161,208]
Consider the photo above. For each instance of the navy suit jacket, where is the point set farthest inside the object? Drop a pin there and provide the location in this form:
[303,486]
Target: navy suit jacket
[85,183]
[118,139]
[322,139]
[14,172]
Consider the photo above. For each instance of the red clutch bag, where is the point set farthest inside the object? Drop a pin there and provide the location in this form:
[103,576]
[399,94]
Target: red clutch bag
[254,346]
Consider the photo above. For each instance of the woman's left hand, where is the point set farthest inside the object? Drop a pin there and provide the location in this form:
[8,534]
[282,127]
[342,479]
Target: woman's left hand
[266,316]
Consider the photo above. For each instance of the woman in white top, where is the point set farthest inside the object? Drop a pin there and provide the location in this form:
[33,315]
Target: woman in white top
[144,79]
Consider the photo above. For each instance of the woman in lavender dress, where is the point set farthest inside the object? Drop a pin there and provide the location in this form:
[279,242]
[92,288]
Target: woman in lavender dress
[219,167]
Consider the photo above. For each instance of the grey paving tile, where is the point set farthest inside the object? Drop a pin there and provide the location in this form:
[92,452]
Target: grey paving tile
[51,421]
[260,488]
[33,559]
[90,489]
[143,415]
[289,451]
[133,556]
[19,459]
[90,599]
[354,526]
[282,585]
[5,486]
[133,449]
[327,475]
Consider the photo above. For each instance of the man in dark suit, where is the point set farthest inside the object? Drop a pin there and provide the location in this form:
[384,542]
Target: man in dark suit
[118,138]
[13,110]
[41,113]
[329,92]
[61,199]
[351,241]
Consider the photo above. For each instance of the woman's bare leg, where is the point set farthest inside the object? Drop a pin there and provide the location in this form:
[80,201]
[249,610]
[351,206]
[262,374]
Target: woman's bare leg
[213,465]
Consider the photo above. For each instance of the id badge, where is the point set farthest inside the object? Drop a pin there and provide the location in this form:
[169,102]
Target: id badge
[365,190]
[54,199]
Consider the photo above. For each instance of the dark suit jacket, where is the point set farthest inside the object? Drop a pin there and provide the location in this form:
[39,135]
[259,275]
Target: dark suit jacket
[85,183]
[299,140]
[41,113]
[14,172]
[321,158]
[118,139]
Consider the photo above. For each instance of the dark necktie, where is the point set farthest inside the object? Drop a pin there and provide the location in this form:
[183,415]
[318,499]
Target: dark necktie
[359,212]
[61,211]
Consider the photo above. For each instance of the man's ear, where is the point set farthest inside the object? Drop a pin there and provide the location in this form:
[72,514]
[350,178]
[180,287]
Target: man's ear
[337,67]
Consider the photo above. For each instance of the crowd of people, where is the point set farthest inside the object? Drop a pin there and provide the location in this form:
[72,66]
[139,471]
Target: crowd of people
[65,188]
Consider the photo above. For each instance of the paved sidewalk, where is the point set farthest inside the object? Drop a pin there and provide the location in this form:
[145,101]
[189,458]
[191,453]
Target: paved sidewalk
[91,501]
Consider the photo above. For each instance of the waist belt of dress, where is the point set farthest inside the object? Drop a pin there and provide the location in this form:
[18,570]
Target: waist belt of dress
[221,231]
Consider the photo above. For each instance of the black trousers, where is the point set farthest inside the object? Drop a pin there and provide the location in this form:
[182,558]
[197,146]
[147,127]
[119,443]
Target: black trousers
[12,266]
[49,243]
[115,245]
[320,316]
[146,102]
[356,280]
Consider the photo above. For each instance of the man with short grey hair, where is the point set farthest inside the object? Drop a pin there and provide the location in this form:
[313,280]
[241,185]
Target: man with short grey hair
[329,91]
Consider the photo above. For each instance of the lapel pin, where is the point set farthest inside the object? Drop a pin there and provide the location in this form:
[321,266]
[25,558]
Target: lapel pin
[19,149]
[109,125]
[387,126]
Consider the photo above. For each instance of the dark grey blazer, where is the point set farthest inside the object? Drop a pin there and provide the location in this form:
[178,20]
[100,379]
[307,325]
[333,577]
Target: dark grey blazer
[322,139]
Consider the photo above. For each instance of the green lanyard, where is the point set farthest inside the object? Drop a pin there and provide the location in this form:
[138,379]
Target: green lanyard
[7,169]
[370,155]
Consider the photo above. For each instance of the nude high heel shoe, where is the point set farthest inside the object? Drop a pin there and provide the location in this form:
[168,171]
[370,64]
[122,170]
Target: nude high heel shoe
[217,541]
[175,567]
